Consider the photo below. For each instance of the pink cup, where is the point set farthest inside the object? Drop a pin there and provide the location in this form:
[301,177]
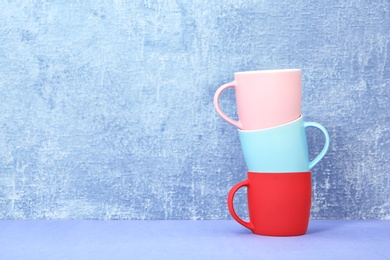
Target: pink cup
[264,98]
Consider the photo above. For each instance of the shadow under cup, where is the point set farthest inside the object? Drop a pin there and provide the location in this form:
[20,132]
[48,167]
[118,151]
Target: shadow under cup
[278,204]
[281,149]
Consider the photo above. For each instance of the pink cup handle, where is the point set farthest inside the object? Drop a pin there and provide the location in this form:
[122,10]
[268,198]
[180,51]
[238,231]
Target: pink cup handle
[218,109]
[232,192]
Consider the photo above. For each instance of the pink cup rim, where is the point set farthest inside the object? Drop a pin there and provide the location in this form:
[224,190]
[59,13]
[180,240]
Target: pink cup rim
[266,71]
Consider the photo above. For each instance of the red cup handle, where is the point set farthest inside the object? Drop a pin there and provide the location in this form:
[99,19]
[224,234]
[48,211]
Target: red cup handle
[232,192]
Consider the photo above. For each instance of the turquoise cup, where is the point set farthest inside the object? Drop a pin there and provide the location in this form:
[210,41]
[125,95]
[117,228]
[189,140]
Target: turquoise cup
[282,148]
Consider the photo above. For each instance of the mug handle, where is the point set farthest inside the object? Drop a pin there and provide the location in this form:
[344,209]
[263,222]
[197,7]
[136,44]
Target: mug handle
[218,109]
[326,145]
[232,192]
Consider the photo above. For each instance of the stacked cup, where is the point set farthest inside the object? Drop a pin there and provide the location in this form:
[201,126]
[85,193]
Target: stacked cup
[272,133]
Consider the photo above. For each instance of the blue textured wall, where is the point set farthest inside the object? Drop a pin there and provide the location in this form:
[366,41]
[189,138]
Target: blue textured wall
[106,106]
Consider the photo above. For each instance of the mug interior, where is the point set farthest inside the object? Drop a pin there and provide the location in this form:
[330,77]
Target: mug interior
[269,128]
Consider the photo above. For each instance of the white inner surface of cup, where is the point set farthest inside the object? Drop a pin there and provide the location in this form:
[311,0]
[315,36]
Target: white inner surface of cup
[263,129]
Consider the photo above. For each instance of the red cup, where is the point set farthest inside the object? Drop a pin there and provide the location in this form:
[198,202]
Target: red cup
[278,203]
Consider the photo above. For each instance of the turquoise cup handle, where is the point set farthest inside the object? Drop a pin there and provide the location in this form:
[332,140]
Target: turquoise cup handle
[326,145]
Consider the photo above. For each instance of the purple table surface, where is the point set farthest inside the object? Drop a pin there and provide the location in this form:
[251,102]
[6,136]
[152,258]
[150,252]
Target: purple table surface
[202,239]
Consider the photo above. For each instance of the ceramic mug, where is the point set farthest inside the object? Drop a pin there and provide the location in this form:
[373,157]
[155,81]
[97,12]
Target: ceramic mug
[280,149]
[264,98]
[278,204]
